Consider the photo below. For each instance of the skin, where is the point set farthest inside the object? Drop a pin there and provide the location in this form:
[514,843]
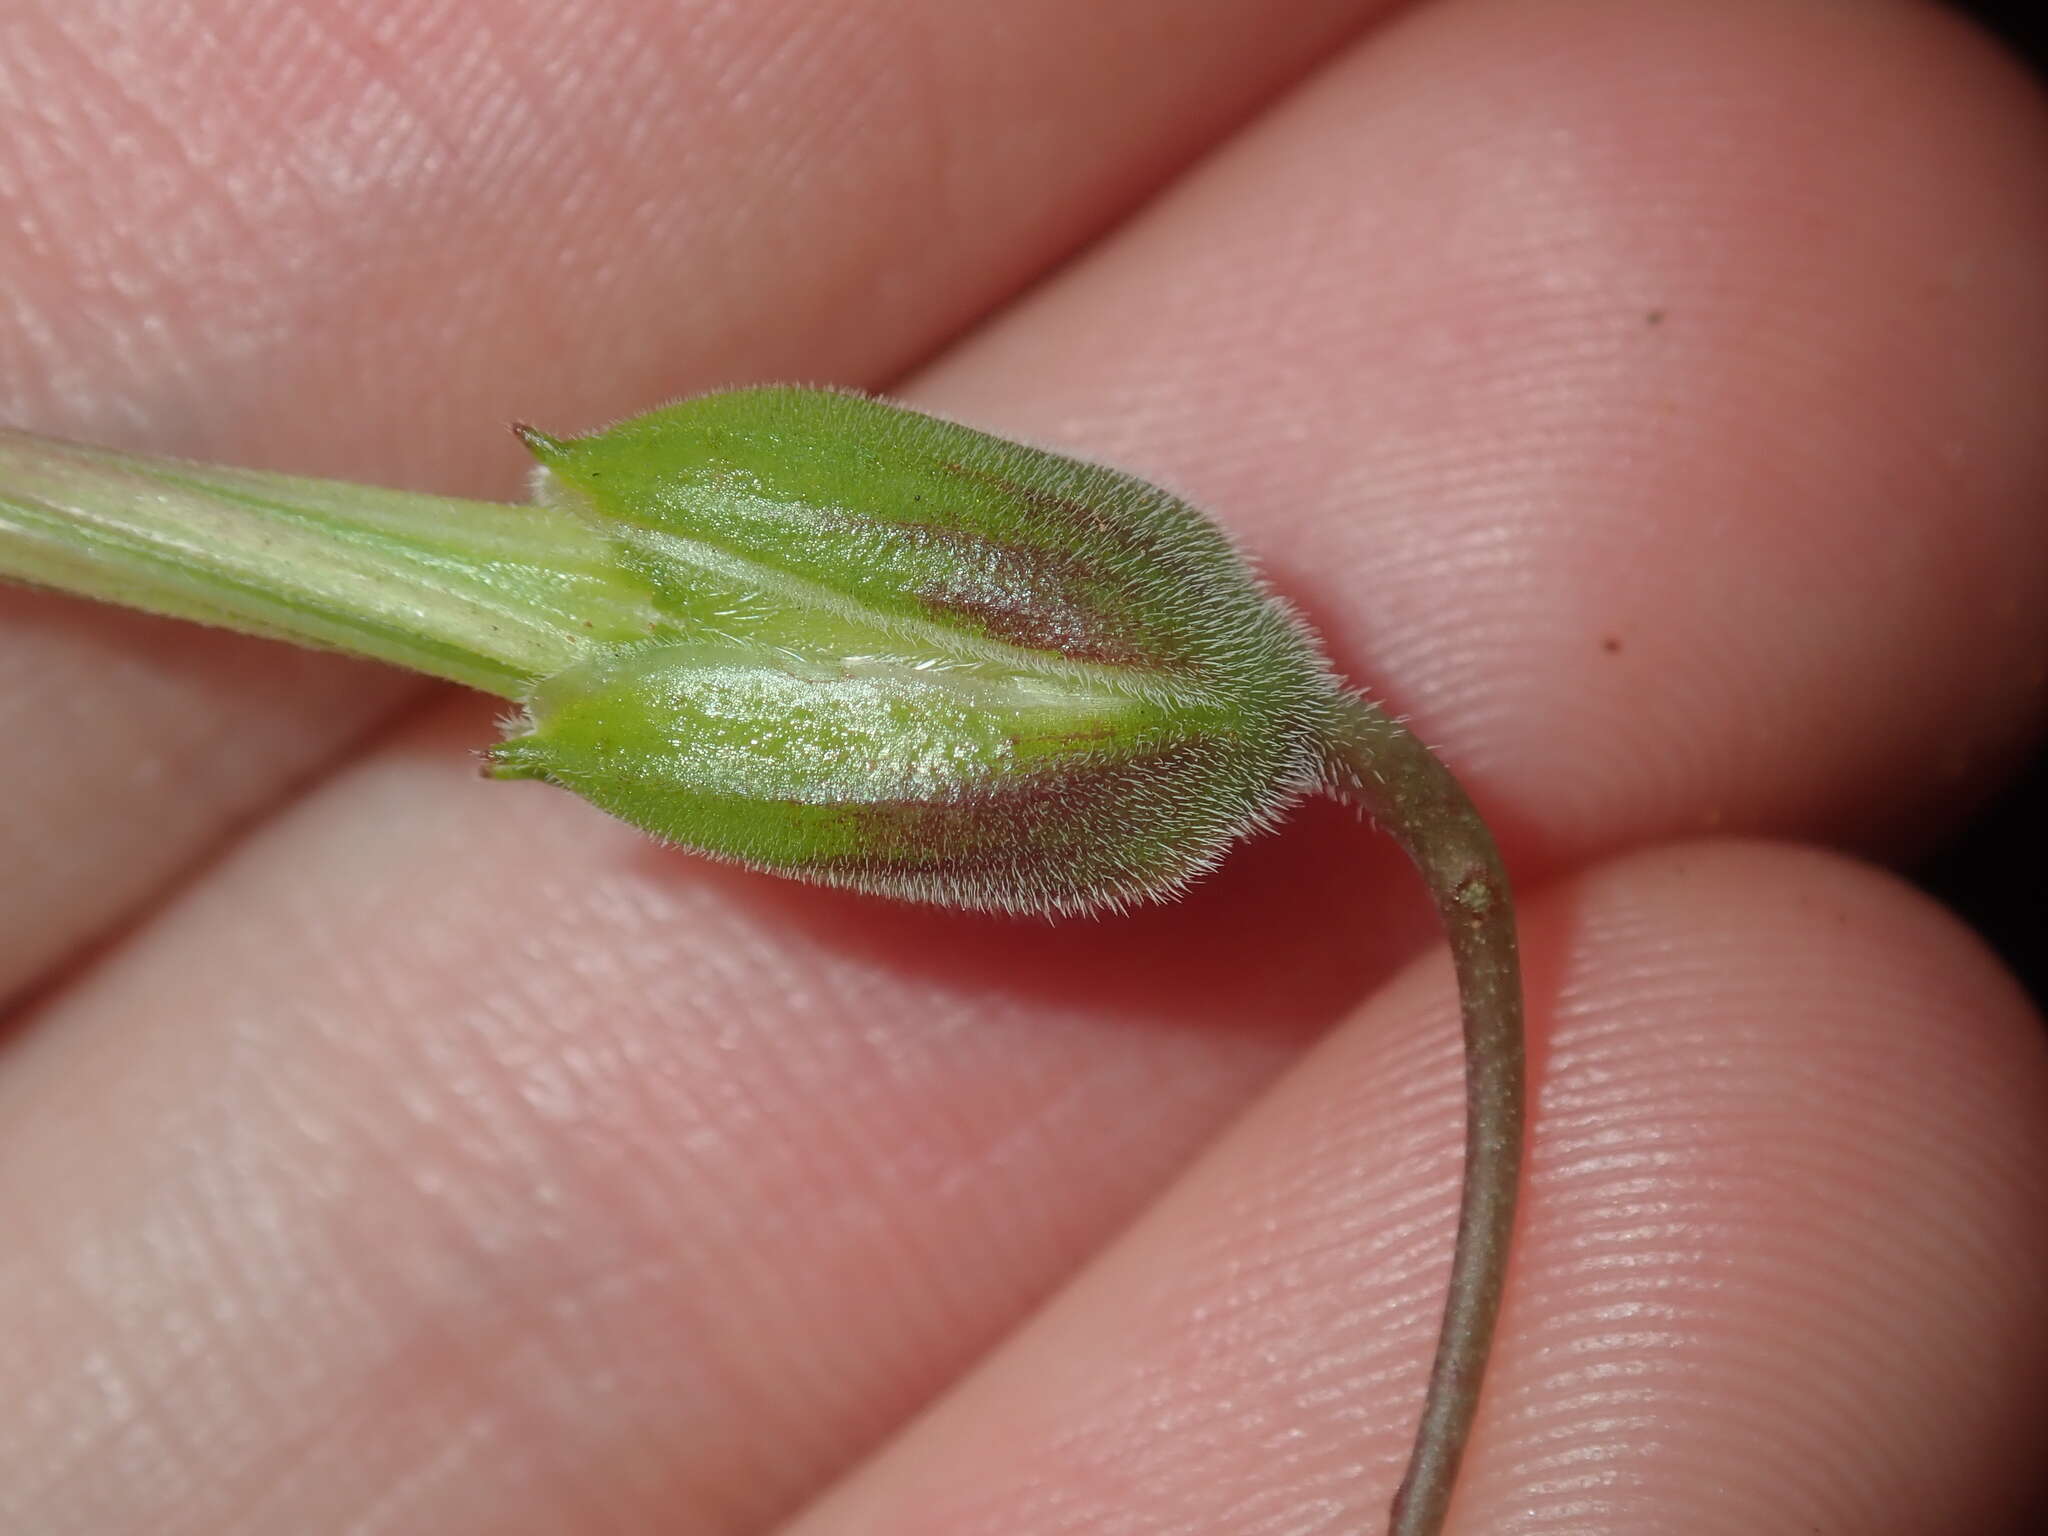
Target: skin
[1645,400]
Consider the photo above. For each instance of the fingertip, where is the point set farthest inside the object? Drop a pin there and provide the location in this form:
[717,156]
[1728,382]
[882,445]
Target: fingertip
[1785,1209]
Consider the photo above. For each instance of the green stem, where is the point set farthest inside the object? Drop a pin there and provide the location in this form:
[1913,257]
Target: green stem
[1378,764]
[487,595]
[498,597]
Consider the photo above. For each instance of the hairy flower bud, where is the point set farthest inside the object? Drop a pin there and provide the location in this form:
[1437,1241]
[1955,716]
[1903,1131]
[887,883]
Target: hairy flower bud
[832,637]
[903,656]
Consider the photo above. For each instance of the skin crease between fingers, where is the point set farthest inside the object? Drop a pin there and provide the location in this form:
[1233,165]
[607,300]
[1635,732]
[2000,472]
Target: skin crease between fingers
[675,1232]
[357,239]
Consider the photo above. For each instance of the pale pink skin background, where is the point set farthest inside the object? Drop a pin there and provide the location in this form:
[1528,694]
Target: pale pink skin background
[1645,398]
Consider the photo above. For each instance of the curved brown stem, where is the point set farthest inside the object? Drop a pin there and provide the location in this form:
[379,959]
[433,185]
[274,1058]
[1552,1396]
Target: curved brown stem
[1377,764]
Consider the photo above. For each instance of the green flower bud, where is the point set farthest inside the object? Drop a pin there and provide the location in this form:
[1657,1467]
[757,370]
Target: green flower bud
[831,637]
[899,655]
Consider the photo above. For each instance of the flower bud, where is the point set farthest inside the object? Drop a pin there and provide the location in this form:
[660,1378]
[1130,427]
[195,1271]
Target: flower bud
[902,656]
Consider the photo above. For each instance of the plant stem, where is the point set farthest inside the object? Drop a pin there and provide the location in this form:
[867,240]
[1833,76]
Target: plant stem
[500,597]
[1379,765]
[487,595]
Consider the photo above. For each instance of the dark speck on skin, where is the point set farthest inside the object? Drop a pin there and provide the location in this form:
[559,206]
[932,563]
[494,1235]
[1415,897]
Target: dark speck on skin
[1611,644]
[1654,318]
